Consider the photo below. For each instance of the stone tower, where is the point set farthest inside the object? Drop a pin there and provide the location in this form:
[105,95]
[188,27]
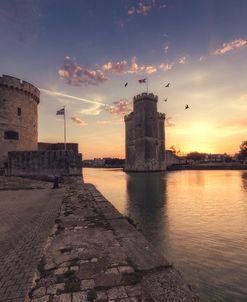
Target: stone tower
[145,135]
[18,116]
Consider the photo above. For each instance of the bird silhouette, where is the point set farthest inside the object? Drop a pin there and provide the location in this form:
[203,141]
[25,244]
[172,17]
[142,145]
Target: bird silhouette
[167,85]
[126,84]
[165,100]
[186,107]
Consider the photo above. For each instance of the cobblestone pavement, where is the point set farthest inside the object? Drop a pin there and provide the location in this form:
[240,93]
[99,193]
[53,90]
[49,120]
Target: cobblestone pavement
[95,254]
[26,219]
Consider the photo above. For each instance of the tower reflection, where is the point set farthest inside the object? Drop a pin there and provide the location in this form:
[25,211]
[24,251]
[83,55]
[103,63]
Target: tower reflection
[146,204]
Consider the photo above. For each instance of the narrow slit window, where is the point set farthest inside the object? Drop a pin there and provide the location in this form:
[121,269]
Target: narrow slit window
[19,111]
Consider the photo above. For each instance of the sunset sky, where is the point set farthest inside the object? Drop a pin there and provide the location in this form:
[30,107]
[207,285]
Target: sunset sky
[80,54]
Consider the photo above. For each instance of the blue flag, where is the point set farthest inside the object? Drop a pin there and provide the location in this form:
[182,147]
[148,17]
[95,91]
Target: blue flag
[60,112]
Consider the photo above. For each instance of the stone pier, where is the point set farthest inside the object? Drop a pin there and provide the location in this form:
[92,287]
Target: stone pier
[95,254]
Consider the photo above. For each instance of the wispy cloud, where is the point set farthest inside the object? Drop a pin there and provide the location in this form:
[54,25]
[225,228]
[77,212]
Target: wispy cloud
[169,122]
[78,121]
[183,60]
[230,46]
[76,75]
[120,107]
[95,109]
[72,97]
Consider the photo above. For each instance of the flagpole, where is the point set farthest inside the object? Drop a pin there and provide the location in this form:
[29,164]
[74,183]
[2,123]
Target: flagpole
[64,130]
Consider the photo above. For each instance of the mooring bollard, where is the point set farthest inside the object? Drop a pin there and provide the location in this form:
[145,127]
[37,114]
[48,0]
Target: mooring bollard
[55,183]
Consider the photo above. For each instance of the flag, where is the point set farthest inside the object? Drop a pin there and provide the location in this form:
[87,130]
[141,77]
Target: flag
[142,81]
[60,112]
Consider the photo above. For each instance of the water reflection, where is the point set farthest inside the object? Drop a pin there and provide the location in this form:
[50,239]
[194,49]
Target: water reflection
[146,203]
[196,218]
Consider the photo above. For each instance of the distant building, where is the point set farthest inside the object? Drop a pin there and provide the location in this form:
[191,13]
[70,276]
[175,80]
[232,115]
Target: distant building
[145,135]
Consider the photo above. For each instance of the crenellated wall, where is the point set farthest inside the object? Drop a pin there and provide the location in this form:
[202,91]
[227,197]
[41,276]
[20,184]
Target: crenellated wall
[145,137]
[18,116]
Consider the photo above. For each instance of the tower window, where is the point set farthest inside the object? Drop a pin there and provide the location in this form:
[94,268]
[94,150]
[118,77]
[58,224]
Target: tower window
[19,111]
[11,135]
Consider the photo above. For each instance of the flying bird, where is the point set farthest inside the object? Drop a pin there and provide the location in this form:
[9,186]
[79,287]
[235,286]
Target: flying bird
[186,107]
[165,100]
[167,85]
[126,84]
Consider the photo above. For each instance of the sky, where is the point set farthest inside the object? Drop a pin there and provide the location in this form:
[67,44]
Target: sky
[81,53]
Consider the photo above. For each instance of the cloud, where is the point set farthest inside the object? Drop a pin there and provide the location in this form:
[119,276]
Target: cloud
[118,67]
[78,121]
[150,69]
[93,110]
[166,48]
[121,107]
[141,9]
[133,66]
[168,122]
[166,67]
[183,60]
[230,46]
[72,97]
[76,75]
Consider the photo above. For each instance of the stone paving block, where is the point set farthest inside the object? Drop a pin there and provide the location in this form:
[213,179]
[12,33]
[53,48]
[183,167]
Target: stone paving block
[62,298]
[80,297]
[43,299]
[53,289]
[87,284]
[167,285]
[117,293]
[40,292]
[133,290]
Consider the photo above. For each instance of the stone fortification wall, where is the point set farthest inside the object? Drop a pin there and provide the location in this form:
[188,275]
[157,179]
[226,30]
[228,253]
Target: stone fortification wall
[18,116]
[145,141]
[57,146]
[44,163]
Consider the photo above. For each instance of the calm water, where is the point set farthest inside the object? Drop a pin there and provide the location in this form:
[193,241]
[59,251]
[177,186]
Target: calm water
[198,219]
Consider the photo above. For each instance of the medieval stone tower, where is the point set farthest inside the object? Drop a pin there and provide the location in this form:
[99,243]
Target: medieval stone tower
[145,136]
[18,116]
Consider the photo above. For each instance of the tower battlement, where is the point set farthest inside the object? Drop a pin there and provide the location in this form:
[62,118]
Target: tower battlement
[144,95]
[12,83]
[128,116]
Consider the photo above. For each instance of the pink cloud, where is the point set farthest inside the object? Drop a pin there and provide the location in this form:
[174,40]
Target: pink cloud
[120,107]
[78,121]
[141,9]
[226,47]
[76,75]
[117,67]
[165,67]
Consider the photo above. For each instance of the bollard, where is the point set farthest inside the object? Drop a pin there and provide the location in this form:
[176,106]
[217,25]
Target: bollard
[55,183]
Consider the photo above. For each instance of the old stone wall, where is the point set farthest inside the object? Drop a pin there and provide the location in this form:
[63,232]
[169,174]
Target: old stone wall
[145,141]
[18,116]
[44,163]
[57,146]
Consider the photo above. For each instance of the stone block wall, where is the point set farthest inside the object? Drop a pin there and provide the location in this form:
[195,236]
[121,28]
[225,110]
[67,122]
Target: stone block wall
[145,138]
[44,163]
[18,116]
